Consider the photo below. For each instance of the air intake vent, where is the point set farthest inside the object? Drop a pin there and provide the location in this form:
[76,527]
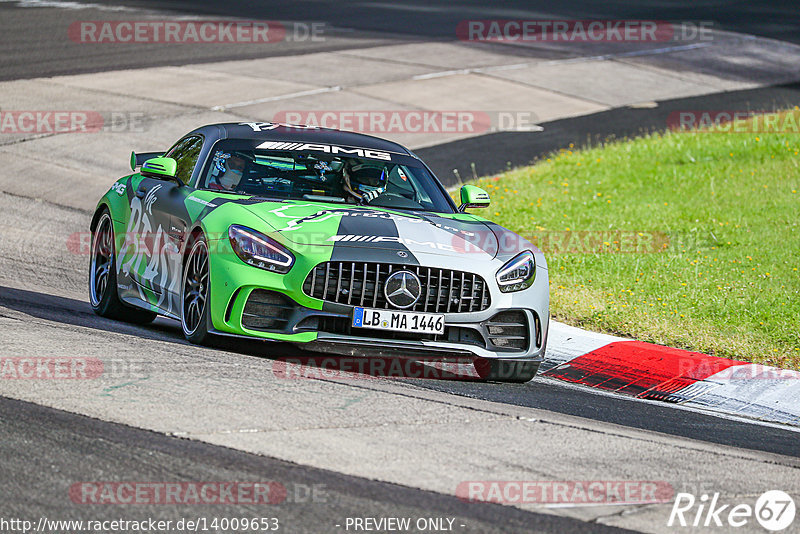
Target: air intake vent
[266,311]
[509,330]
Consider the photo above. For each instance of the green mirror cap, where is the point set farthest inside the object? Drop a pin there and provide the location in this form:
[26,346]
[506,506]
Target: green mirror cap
[137,160]
[474,197]
[160,167]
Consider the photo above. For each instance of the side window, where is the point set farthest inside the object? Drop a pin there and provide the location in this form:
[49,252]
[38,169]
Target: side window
[185,153]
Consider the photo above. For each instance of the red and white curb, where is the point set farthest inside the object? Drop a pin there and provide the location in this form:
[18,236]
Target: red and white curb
[693,379]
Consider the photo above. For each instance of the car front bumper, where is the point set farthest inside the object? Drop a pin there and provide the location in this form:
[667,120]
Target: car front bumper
[250,302]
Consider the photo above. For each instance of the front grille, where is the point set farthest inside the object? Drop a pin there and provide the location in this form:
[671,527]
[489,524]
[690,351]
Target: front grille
[361,284]
[508,330]
[266,311]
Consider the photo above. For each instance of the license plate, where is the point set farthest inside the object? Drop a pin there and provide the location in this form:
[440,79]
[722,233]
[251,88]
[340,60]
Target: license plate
[399,321]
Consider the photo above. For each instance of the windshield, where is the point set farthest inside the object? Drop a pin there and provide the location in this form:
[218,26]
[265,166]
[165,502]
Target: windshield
[237,166]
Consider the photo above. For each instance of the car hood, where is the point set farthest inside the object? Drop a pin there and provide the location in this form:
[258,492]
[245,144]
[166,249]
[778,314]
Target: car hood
[310,223]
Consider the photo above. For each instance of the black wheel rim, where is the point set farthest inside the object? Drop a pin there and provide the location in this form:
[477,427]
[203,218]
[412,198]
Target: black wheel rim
[102,259]
[195,287]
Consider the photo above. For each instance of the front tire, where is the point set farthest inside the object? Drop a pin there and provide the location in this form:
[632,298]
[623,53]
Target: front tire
[195,309]
[510,371]
[103,294]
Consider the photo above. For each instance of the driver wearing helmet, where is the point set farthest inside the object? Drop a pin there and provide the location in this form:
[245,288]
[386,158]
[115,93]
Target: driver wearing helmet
[364,181]
[229,169]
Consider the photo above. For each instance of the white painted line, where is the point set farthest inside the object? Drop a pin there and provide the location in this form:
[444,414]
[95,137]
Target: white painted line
[66,5]
[635,53]
[517,66]
[753,390]
[442,74]
[308,92]
[685,407]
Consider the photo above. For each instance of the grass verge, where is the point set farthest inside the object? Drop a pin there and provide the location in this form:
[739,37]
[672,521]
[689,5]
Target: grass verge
[688,239]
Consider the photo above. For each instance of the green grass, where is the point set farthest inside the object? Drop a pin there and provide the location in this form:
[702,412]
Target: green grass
[721,275]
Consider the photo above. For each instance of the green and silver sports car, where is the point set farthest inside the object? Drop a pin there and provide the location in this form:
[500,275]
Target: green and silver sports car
[332,240]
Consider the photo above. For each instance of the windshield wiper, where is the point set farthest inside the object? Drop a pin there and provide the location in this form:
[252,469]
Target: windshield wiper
[397,208]
[323,198]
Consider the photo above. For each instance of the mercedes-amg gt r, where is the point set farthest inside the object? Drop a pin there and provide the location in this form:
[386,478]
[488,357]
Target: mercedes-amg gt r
[332,240]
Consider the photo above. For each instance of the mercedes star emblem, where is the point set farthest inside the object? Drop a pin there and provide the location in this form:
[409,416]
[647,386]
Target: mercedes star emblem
[402,289]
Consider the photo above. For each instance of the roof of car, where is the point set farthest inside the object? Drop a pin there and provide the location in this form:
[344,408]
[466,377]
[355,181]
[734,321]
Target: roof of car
[302,134]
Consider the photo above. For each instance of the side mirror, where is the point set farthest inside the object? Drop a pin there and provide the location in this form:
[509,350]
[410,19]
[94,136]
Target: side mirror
[138,159]
[473,197]
[163,168]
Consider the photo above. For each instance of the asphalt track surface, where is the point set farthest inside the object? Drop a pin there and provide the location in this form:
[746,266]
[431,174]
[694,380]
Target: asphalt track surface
[497,152]
[35,39]
[84,449]
[35,44]
[545,394]
[431,19]
[44,451]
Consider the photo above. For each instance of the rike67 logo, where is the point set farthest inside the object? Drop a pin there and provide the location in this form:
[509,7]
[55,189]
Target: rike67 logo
[774,510]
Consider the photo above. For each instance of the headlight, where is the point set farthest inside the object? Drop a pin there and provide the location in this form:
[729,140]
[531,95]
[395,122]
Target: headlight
[518,273]
[258,250]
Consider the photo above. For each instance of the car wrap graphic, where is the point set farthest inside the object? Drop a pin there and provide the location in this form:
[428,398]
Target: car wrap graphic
[376,228]
[148,255]
[368,234]
[327,149]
